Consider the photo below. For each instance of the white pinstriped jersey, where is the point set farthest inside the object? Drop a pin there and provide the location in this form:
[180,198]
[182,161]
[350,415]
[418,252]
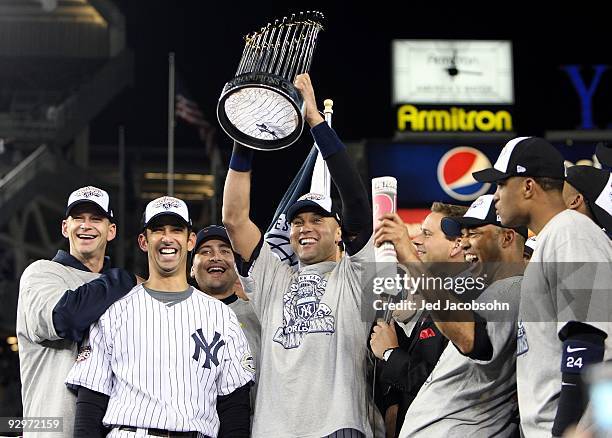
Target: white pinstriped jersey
[163,366]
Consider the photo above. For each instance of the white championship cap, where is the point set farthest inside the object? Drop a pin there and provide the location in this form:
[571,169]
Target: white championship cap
[166,205]
[90,194]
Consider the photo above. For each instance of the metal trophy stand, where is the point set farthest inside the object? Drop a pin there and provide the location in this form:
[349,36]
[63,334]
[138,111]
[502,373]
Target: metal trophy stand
[260,107]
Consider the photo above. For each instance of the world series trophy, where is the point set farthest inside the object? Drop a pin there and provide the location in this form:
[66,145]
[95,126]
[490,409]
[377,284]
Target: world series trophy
[260,107]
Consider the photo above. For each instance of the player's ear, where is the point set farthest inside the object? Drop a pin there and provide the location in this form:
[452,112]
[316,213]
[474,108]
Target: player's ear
[191,240]
[65,228]
[508,237]
[576,201]
[112,232]
[528,188]
[142,242]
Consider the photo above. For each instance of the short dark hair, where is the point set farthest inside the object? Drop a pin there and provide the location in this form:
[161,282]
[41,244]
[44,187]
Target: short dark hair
[448,209]
[549,184]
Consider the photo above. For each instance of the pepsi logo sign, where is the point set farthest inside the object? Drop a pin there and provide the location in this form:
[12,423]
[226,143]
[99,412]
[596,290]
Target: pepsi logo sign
[455,173]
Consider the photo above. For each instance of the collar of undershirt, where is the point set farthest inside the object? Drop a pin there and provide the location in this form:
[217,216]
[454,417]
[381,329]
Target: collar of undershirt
[230,299]
[169,298]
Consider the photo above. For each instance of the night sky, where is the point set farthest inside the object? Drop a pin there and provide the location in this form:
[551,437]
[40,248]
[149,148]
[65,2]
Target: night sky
[351,65]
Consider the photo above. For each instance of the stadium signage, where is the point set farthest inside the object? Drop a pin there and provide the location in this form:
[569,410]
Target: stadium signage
[453,119]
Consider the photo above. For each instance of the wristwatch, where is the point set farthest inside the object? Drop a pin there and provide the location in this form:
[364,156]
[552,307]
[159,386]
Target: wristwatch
[387,353]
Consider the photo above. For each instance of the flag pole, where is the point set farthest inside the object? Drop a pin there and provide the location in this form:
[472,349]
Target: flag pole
[171,98]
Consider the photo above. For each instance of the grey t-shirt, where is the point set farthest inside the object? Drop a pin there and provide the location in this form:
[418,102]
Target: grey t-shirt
[568,238]
[170,298]
[464,397]
[45,359]
[313,345]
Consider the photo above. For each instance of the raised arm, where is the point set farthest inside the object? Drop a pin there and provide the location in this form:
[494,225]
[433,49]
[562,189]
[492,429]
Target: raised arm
[242,232]
[462,327]
[356,210]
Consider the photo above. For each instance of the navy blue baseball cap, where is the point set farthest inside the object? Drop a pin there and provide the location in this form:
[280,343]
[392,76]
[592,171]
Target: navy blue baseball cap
[209,233]
[596,187]
[524,156]
[481,212]
[604,154]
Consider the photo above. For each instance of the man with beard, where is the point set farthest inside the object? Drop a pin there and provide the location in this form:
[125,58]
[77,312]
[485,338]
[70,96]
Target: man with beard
[471,391]
[214,272]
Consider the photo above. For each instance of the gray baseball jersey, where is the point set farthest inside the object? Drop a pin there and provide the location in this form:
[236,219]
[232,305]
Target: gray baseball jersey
[163,365]
[44,358]
[466,397]
[567,238]
[313,345]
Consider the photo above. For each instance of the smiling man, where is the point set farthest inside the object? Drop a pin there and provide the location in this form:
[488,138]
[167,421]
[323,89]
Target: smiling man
[166,359]
[312,376]
[214,272]
[59,299]
[407,361]
[471,391]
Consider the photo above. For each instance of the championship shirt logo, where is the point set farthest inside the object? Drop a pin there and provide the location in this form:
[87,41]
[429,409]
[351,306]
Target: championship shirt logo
[167,203]
[455,173]
[89,192]
[303,311]
[522,346]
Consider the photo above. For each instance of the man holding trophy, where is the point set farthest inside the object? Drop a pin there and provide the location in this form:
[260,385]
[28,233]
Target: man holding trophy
[313,366]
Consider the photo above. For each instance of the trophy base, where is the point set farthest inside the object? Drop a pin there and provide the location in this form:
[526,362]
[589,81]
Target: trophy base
[261,111]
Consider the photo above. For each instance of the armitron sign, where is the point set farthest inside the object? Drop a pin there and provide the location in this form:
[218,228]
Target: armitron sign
[410,118]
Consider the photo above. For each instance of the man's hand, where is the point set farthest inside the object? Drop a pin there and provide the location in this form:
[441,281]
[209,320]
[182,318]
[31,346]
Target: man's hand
[390,228]
[383,338]
[311,113]
[239,291]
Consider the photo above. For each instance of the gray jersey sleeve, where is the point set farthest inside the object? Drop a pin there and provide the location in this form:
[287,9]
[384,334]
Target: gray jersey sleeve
[93,367]
[259,285]
[237,367]
[582,290]
[39,291]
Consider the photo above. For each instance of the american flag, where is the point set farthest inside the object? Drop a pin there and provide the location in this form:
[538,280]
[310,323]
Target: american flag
[188,110]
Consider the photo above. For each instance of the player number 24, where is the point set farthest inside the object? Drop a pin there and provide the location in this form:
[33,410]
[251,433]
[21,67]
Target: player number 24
[573,362]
